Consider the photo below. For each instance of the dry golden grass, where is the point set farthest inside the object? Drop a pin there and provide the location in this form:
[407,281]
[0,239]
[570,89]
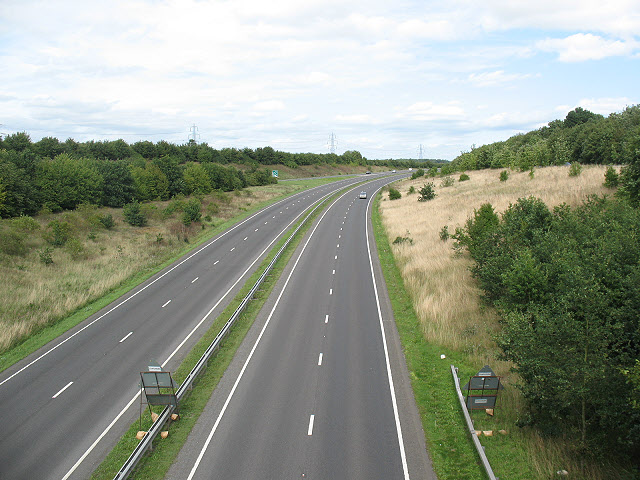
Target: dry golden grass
[33,295]
[445,296]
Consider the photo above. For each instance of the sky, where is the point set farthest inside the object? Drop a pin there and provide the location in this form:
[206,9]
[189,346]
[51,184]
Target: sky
[389,78]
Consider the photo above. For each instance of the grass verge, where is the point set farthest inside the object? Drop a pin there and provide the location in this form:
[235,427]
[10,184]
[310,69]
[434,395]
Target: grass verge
[448,442]
[44,334]
[156,464]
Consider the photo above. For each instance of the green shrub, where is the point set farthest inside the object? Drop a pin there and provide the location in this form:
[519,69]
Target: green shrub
[12,243]
[447,182]
[427,192]
[504,175]
[394,194]
[417,174]
[133,214]
[575,169]
[412,190]
[611,178]
[25,224]
[45,255]
[192,212]
[407,239]
[75,249]
[57,233]
[463,177]
[107,221]
[444,233]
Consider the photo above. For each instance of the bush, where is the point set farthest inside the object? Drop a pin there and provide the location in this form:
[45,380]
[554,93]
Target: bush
[417,174]
[107,221]
[447,182]
[45,255]
[575,169]
[611,178]
[412,190]
[12,243]
[394,194]
[463,177]
[407,239]
[504,175]
[192,212]
[57,233]
[444,233]
[133,214]
[427,192]
[75,249]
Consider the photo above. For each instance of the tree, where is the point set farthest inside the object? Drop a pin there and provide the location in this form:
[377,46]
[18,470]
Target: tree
[133,214]
[64,182]
[118,186]
[427,192]
[196,180]
[579,116]
[150,183]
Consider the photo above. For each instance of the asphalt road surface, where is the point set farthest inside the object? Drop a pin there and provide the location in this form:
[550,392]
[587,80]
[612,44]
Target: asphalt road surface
[319,388]
[65,406]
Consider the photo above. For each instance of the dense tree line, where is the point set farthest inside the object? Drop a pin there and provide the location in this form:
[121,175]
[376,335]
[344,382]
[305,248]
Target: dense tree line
[567,284]
[61,175]
[582,136]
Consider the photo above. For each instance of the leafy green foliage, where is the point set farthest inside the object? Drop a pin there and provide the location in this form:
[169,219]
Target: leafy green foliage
[417,174]
[611,177]
[583,137]
[427,192]
[566,283]
[58,233]
[46,256]
[463,177]
[64,182]
[412,190]
[504,175]
[133,214]
[107,221]
[444,233]
[575,169]
[192,211]
[394,194]
[447,182]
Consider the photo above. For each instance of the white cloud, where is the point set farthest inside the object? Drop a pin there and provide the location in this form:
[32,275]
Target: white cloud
[497,77]
[605,106]
[581,47]
[358,118]
[615,17]
[430,111]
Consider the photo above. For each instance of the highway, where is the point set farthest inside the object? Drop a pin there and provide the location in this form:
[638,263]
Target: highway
[66,405]
[319,389]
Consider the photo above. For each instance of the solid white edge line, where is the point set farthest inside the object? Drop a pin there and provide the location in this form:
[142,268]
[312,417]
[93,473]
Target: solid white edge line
[207,245]
[392,390]
[62,389]
[253,349]
[93,445]
[125,337]
[310,429]
[105,431]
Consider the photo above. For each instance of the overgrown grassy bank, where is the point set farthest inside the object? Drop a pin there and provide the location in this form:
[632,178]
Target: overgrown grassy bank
[444,315]
[95,265]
